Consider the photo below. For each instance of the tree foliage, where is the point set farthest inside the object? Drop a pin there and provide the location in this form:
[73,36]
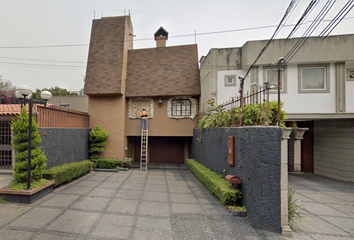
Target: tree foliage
[55,91]
[7,92]
[6,85]
[97,138]
[20,129]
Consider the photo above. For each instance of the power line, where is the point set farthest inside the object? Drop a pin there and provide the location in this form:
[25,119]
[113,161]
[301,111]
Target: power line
[41,60]
[341,12]
[177,36]
[288,10]
[309,9]
[326,8]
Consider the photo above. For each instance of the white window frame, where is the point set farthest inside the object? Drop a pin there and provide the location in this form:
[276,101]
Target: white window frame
[326,89]
[227,83]
[283,80]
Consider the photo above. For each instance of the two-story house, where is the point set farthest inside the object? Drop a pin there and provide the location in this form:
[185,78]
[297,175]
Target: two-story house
[121,81]
[316,88]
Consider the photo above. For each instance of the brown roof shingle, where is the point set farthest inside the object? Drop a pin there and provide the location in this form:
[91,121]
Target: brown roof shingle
[164,71]
[109,40]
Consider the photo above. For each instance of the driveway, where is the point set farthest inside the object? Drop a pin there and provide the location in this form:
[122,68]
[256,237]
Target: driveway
[157,204]
[327,207]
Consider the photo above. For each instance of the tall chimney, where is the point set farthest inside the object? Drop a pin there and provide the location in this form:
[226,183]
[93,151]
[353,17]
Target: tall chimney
[161,35]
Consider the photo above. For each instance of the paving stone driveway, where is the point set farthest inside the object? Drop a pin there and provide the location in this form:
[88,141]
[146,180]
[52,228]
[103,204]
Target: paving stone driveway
[157,204]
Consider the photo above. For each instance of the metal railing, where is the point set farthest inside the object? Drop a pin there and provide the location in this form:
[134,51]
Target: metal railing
[257,95]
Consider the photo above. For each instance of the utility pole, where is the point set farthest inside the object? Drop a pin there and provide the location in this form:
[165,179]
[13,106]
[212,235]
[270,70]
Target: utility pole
[281,65]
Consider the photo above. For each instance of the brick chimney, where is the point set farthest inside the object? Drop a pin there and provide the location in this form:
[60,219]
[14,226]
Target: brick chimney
[161,35]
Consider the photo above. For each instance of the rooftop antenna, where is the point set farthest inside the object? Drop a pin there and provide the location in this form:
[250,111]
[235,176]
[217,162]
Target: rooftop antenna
[195,36]
[124,12]
[129,12]
[94,14]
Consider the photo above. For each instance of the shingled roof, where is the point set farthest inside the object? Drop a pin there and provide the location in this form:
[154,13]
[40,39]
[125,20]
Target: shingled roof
[164,71]
[110,38]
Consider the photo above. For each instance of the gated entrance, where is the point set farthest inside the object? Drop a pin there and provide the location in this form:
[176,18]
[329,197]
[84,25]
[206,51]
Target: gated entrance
[5,146]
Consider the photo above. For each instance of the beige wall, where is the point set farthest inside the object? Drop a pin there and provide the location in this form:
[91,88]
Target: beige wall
[315,50]
[109,114]
[160,124]
[79,103]
[216,60]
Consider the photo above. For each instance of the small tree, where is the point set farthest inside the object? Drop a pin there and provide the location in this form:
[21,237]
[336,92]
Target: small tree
[20,129]
[97,138]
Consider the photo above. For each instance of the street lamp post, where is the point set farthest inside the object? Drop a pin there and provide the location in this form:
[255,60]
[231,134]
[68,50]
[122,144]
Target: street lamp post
[25,91]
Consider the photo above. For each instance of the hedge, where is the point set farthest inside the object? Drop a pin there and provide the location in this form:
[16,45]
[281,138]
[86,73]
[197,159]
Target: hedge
[215,182]
[67,171]
[110,163]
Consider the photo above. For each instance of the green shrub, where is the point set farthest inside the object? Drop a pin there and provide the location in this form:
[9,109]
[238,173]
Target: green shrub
[67,171]
[111,163]
[216,183]
[97,138]
[20,129]
[255,114]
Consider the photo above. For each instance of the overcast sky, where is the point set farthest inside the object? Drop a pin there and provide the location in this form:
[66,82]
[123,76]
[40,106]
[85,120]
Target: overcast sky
[34,24]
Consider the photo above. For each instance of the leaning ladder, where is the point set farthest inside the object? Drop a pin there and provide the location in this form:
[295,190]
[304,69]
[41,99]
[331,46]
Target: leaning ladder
[144,149]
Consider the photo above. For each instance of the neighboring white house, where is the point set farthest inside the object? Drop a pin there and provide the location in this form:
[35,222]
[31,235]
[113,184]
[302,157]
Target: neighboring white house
[317,86]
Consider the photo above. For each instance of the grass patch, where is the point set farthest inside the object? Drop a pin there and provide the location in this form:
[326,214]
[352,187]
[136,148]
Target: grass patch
[68,171]
[22,186]
[215,182]
[110,163]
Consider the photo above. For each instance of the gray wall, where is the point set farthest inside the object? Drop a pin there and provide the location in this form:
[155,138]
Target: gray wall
[333,149]
[64,145]
[257,163]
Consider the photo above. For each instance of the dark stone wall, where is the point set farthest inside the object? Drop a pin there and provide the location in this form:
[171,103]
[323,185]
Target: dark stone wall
[257,163]
[64,145]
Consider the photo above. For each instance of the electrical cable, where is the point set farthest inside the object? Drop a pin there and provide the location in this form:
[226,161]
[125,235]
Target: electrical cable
[334,19]
[306,13]
[339,21]
[291,5]
[309,31]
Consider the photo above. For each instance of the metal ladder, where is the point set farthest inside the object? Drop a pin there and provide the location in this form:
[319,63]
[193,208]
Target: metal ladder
[144,149]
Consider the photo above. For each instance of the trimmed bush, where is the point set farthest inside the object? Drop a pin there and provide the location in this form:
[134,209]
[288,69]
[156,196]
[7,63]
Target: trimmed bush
[110,163]
[20,129]
[97,138]
[216,183]
[67,171]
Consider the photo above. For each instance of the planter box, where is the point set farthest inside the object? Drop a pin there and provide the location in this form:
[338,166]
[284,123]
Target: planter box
[26,196]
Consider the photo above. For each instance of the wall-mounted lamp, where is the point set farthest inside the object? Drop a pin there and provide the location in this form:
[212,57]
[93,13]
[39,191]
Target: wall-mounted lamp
[159,101]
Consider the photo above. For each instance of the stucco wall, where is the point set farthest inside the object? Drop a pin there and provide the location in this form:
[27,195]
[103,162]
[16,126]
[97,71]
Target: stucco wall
[333,149]
[257,163]
[160,124]
[65,145]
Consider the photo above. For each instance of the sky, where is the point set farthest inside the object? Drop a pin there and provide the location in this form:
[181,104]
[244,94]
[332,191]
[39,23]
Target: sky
[28,27]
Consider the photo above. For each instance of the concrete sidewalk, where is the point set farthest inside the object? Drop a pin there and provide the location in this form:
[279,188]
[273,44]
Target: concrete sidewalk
[157,204]
[326,206]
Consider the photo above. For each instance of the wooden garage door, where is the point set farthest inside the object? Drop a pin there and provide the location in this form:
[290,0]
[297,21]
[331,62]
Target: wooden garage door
[162,149]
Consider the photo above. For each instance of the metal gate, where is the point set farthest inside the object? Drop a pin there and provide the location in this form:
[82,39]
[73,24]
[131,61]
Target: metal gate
[5,146]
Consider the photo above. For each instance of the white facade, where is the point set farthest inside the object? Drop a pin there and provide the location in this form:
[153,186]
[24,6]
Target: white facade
[294,101]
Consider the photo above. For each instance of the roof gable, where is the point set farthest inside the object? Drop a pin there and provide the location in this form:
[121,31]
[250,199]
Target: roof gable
[167,71]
